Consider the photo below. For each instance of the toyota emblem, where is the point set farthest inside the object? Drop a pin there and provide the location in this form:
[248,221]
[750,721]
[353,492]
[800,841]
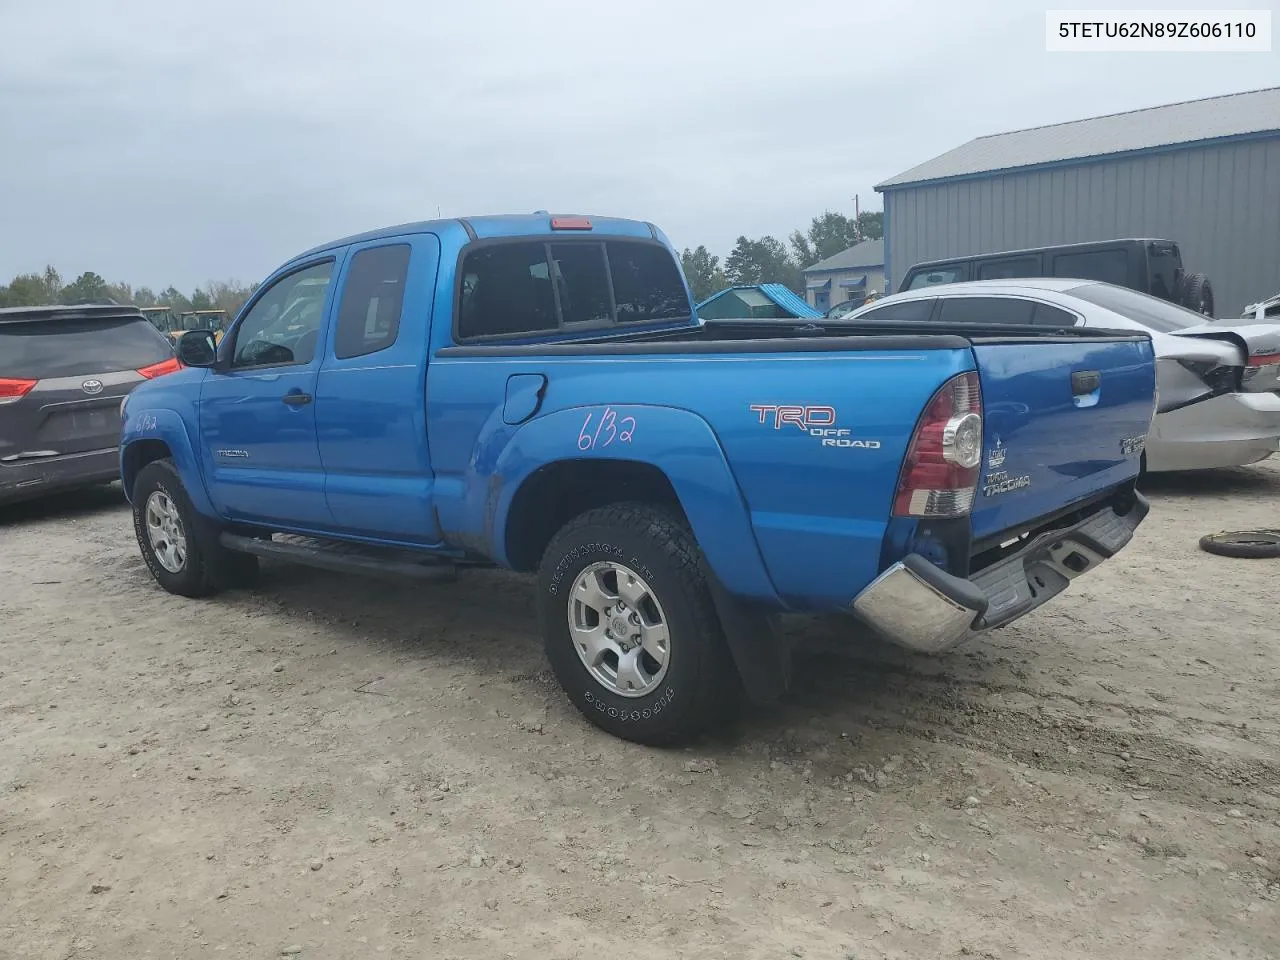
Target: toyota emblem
[91,387]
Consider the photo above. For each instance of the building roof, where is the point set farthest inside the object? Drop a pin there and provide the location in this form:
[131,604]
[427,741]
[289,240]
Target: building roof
[1236,114]
[868,253]
[776,292]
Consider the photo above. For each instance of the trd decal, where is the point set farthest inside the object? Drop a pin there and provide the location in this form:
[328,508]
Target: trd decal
[818,422]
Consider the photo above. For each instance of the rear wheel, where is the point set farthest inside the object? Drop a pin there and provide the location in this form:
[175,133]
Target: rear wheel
[630,628]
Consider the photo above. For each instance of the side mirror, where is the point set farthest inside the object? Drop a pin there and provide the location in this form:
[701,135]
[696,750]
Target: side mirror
[197,348]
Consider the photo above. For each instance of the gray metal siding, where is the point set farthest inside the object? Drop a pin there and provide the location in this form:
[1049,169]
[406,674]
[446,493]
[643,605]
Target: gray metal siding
[1220,203]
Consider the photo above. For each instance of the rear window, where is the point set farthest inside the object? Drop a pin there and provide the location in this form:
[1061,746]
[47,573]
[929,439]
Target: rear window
[1165,263]
[581,282]
[646,283]
[539,287]
[79,348]
[1154,314]
[1108,266]
[931,278]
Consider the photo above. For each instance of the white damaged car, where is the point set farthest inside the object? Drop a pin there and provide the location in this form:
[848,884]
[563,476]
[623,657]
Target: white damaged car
[1219,383]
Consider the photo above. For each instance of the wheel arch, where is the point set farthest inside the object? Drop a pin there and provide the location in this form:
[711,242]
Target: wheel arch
[676,460]
[137,455]
[555,493]
[153,435]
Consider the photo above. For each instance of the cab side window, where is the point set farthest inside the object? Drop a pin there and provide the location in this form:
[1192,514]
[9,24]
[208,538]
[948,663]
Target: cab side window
[372,301]
[283,326]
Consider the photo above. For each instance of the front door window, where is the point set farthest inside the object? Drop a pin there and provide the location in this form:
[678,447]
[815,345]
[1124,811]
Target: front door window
[283,326]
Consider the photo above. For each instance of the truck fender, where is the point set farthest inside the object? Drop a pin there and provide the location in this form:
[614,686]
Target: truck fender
[680,444]
[151,426]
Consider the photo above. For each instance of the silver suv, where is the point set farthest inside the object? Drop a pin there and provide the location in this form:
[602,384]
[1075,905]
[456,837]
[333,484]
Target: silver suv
[63,374]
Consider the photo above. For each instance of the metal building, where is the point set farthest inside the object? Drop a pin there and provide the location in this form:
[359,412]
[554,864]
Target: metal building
[1205,173]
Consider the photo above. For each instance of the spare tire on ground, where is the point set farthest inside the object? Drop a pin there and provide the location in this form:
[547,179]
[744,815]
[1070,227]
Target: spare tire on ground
[1195,293]
[1243,544]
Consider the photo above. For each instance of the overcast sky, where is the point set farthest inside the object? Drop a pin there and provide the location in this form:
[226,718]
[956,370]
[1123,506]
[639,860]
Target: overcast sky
[159,141]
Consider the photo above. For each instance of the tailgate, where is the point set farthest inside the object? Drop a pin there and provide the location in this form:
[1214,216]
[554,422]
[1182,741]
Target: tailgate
[1064,419]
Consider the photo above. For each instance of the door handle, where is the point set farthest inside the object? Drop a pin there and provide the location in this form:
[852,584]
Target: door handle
[296,398]
[1084,382]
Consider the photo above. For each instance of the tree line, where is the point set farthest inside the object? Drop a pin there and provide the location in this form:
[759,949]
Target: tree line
[768,260]
[761,260]
[40,289]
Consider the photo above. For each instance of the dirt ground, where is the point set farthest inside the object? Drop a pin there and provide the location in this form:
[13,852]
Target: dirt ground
[333,768]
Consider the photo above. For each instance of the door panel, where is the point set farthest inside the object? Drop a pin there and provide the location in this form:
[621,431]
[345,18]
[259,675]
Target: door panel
[370,395]
[258,419]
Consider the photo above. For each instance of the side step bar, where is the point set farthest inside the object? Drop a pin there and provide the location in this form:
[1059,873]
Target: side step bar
[342,557]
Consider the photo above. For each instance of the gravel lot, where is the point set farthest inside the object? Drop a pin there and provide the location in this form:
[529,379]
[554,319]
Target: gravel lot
[338,768]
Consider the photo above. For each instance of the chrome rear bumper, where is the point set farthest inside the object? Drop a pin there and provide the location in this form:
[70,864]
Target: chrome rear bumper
[917,605]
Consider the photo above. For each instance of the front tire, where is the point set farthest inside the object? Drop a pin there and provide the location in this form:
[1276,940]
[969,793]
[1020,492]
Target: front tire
[179,546]
[630,628]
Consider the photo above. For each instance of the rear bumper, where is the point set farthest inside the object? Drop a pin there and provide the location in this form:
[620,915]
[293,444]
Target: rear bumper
[22,479]
[917,605]
[1226,431]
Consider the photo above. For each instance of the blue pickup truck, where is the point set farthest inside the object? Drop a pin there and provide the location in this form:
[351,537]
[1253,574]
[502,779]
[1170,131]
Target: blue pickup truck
[535,392]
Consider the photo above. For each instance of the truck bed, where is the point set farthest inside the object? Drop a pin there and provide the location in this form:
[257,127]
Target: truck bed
[1044,451]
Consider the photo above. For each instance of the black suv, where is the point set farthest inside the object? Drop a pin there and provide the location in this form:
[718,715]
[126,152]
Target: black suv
[1148,266]
[63,374]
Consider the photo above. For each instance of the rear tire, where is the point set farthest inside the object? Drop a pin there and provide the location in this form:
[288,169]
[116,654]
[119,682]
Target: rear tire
[1195,293]
[179,545]
[630,628]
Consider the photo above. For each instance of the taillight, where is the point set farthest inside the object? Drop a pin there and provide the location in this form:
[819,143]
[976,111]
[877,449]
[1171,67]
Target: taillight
[172,365]
[1257,362]
[940,474]
[15,389]
[570,223]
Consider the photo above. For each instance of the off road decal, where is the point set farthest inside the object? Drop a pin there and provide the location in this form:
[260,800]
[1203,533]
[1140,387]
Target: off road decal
[818,422]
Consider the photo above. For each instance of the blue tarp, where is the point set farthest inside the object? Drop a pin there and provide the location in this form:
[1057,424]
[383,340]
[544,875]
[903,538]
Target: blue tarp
[792,303]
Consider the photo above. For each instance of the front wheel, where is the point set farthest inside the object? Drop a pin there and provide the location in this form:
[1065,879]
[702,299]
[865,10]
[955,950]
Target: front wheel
[630,628]
[178,545]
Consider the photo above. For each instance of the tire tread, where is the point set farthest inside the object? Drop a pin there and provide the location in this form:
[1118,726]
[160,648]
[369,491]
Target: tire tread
[715,680]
